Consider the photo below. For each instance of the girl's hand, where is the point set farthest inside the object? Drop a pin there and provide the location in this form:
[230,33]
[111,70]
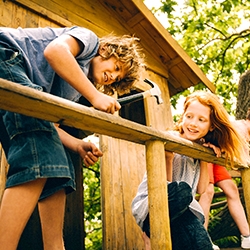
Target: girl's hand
[169,156]
[217,150]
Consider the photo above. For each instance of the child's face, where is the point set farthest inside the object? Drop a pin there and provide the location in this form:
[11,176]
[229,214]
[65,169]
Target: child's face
[107,71]
[196,121]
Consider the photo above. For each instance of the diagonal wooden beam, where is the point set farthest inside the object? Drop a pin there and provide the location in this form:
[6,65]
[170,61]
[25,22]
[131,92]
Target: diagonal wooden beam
[31,102]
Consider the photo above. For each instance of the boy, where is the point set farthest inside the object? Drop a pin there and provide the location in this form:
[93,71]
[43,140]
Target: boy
[63,62]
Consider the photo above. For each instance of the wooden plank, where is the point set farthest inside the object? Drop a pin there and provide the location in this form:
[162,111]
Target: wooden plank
[117,199]
[153,61]
[135,20]
[127,157]
[234,173]
[24,100]
[6,12]
[133,173]
[68,13]
[189,73]
[178,74]
[31,20]
[44,11]
[133,166]
[118,9]
[106,189]
[112,195]
[18,17]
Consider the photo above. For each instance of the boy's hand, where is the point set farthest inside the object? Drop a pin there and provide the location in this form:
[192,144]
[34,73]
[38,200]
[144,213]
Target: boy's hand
[89,153]
[106,103]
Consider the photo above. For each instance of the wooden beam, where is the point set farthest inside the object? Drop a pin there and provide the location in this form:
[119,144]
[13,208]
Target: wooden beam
[31,102]
[157,189]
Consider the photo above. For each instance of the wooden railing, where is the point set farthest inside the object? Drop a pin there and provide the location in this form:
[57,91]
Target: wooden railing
[24,100]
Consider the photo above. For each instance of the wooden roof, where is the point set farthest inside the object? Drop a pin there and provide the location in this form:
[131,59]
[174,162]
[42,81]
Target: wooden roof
[164,55]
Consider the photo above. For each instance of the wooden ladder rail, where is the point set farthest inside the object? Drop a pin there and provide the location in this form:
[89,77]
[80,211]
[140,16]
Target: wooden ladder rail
[27,101]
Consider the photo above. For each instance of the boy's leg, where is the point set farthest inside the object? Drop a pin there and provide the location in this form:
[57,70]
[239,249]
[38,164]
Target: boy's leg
[51,211]
[17,205]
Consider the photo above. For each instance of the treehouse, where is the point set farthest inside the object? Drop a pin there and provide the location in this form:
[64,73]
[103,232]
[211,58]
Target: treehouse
[132,141]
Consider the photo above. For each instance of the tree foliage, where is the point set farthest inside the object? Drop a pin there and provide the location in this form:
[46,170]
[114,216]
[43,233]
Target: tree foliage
[92,207]
[216,35]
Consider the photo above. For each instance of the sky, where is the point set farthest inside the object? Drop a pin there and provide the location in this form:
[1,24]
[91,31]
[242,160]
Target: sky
[160,16]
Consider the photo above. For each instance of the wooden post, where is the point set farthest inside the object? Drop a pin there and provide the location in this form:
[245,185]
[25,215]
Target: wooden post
[245,175]
[157,196]
[160,117]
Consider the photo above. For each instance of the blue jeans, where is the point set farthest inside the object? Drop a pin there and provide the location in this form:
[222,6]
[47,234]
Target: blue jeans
[187,231]
[32,146]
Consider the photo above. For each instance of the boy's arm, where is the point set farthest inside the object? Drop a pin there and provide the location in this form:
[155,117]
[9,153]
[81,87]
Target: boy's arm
[87,150]
[61,54]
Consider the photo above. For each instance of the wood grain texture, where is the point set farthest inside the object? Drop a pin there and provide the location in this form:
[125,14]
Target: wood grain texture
[24,100]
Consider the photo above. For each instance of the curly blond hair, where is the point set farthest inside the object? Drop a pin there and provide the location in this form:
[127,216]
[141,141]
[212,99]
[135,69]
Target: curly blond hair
[127,50]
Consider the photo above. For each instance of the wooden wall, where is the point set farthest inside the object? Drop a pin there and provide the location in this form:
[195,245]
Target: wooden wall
[122,170]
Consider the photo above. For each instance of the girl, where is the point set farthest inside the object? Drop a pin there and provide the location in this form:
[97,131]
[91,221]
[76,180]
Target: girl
[204,120]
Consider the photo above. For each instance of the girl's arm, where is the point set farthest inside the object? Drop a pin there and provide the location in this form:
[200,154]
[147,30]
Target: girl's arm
[204,178]
[169,165]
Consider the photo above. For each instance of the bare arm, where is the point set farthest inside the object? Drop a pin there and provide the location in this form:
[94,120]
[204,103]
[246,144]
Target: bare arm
[169,164]
[61,54]
[204,178]
[87,150]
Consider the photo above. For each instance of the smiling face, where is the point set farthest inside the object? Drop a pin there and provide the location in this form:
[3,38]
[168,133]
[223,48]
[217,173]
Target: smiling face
[196,121]
[106,71]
